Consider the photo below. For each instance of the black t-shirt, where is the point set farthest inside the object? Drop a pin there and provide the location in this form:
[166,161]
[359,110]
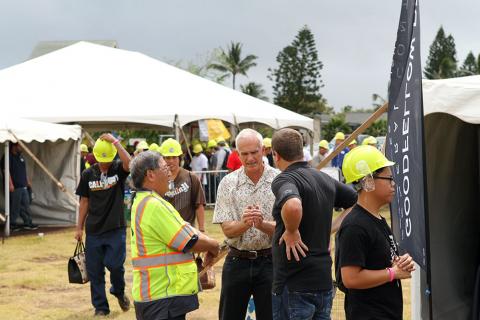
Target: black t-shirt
[366,241]
[319,195]
[105,194]
[18,170]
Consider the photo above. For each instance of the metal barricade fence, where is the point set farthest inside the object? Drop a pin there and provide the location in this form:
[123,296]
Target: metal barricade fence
[210,179]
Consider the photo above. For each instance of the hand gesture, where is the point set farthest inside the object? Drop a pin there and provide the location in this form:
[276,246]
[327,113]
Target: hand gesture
[79,234]
[405,263]
[248,216]
[257,216]
[293,243]
[108,137]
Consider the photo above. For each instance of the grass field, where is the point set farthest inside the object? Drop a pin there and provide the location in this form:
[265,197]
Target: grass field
[34,282]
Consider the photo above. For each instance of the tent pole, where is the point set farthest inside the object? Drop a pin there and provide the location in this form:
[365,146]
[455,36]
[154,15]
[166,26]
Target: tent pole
[7,189]
[354,135]
[89,137]
[42,166]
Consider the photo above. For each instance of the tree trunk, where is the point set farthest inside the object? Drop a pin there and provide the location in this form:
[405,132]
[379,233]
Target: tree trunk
[233,78]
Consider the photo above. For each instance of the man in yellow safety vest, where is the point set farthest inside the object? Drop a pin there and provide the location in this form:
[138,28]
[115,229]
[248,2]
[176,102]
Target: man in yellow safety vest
[165,279]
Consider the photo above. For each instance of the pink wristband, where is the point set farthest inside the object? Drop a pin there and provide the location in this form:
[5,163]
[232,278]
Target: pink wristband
[391,273]
[115,142]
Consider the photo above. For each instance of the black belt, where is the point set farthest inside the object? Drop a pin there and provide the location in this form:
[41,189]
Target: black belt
[249,254]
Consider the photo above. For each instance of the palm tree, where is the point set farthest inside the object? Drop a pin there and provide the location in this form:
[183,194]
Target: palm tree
[230,61]
[255,90]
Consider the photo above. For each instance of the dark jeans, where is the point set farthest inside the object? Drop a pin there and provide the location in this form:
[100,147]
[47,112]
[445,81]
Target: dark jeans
[105,250]
[242,278]
[315,305]
[20,206]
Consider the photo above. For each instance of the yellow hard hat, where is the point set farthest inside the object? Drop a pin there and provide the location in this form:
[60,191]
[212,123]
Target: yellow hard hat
[373,141]
[361,161]
[83,148]
[104,151]
[142,145]
[211,144]
[324,144]
[267,142]
[171,148]
[197,148]
[153,147]
[339,136]
[220,139]
[352,142]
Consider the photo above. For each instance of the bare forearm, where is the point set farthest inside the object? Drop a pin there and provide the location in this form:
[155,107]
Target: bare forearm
[267,227]
[200,213]
[292,214]
[234,229]
[82,213]
[124,156]
[365,279]
[205,243]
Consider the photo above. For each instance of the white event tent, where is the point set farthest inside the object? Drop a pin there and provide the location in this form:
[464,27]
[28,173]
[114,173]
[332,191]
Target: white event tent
[96,86]
[452,131]
[57,147]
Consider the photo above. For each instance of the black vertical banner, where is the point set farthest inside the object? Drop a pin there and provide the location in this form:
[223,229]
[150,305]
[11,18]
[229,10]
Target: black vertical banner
[405,137]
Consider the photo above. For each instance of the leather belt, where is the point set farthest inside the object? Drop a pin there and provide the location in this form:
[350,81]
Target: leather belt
[249,254]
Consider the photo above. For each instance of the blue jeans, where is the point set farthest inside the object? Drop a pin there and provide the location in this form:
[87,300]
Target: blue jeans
[20,206]
[315,305]
[105,250]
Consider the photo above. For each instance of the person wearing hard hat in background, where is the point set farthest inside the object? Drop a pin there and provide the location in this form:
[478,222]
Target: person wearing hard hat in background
[187,194]
[83,154]
[211,154]
[337,161]
[101,211]
[267,154]
[140,147]
[322,154]
[154,147]
[199,164]
[222,154]
[165,279]
[352,145]
[370,141]
[368,266]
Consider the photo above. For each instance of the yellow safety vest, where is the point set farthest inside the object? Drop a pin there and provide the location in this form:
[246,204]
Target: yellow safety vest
[159,234]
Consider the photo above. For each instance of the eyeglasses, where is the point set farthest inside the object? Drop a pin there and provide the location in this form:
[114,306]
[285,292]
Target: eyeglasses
[392,181]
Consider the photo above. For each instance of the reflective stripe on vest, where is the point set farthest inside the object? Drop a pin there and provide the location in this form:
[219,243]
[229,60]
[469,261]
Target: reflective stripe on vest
[161,260]
[141,250]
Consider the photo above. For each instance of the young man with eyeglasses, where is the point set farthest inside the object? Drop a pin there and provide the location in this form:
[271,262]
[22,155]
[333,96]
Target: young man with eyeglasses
[368,265]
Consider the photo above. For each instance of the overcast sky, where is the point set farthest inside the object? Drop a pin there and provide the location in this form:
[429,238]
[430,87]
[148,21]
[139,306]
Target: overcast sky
[355,39]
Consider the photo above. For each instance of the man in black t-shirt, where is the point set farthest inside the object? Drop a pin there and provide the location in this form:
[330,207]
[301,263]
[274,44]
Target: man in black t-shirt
[101,190]
[367,264]
[304,202]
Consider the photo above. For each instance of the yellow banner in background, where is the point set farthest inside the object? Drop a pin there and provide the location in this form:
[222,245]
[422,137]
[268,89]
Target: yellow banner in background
[216,129]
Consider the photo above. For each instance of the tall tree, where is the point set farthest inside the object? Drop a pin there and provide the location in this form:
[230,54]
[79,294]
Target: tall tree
[255,90]
[297,79]
[230,61]
[442,60]
[470,66]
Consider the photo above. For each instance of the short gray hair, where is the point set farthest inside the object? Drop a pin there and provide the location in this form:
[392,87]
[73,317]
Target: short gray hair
[147,160]
[249,133]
